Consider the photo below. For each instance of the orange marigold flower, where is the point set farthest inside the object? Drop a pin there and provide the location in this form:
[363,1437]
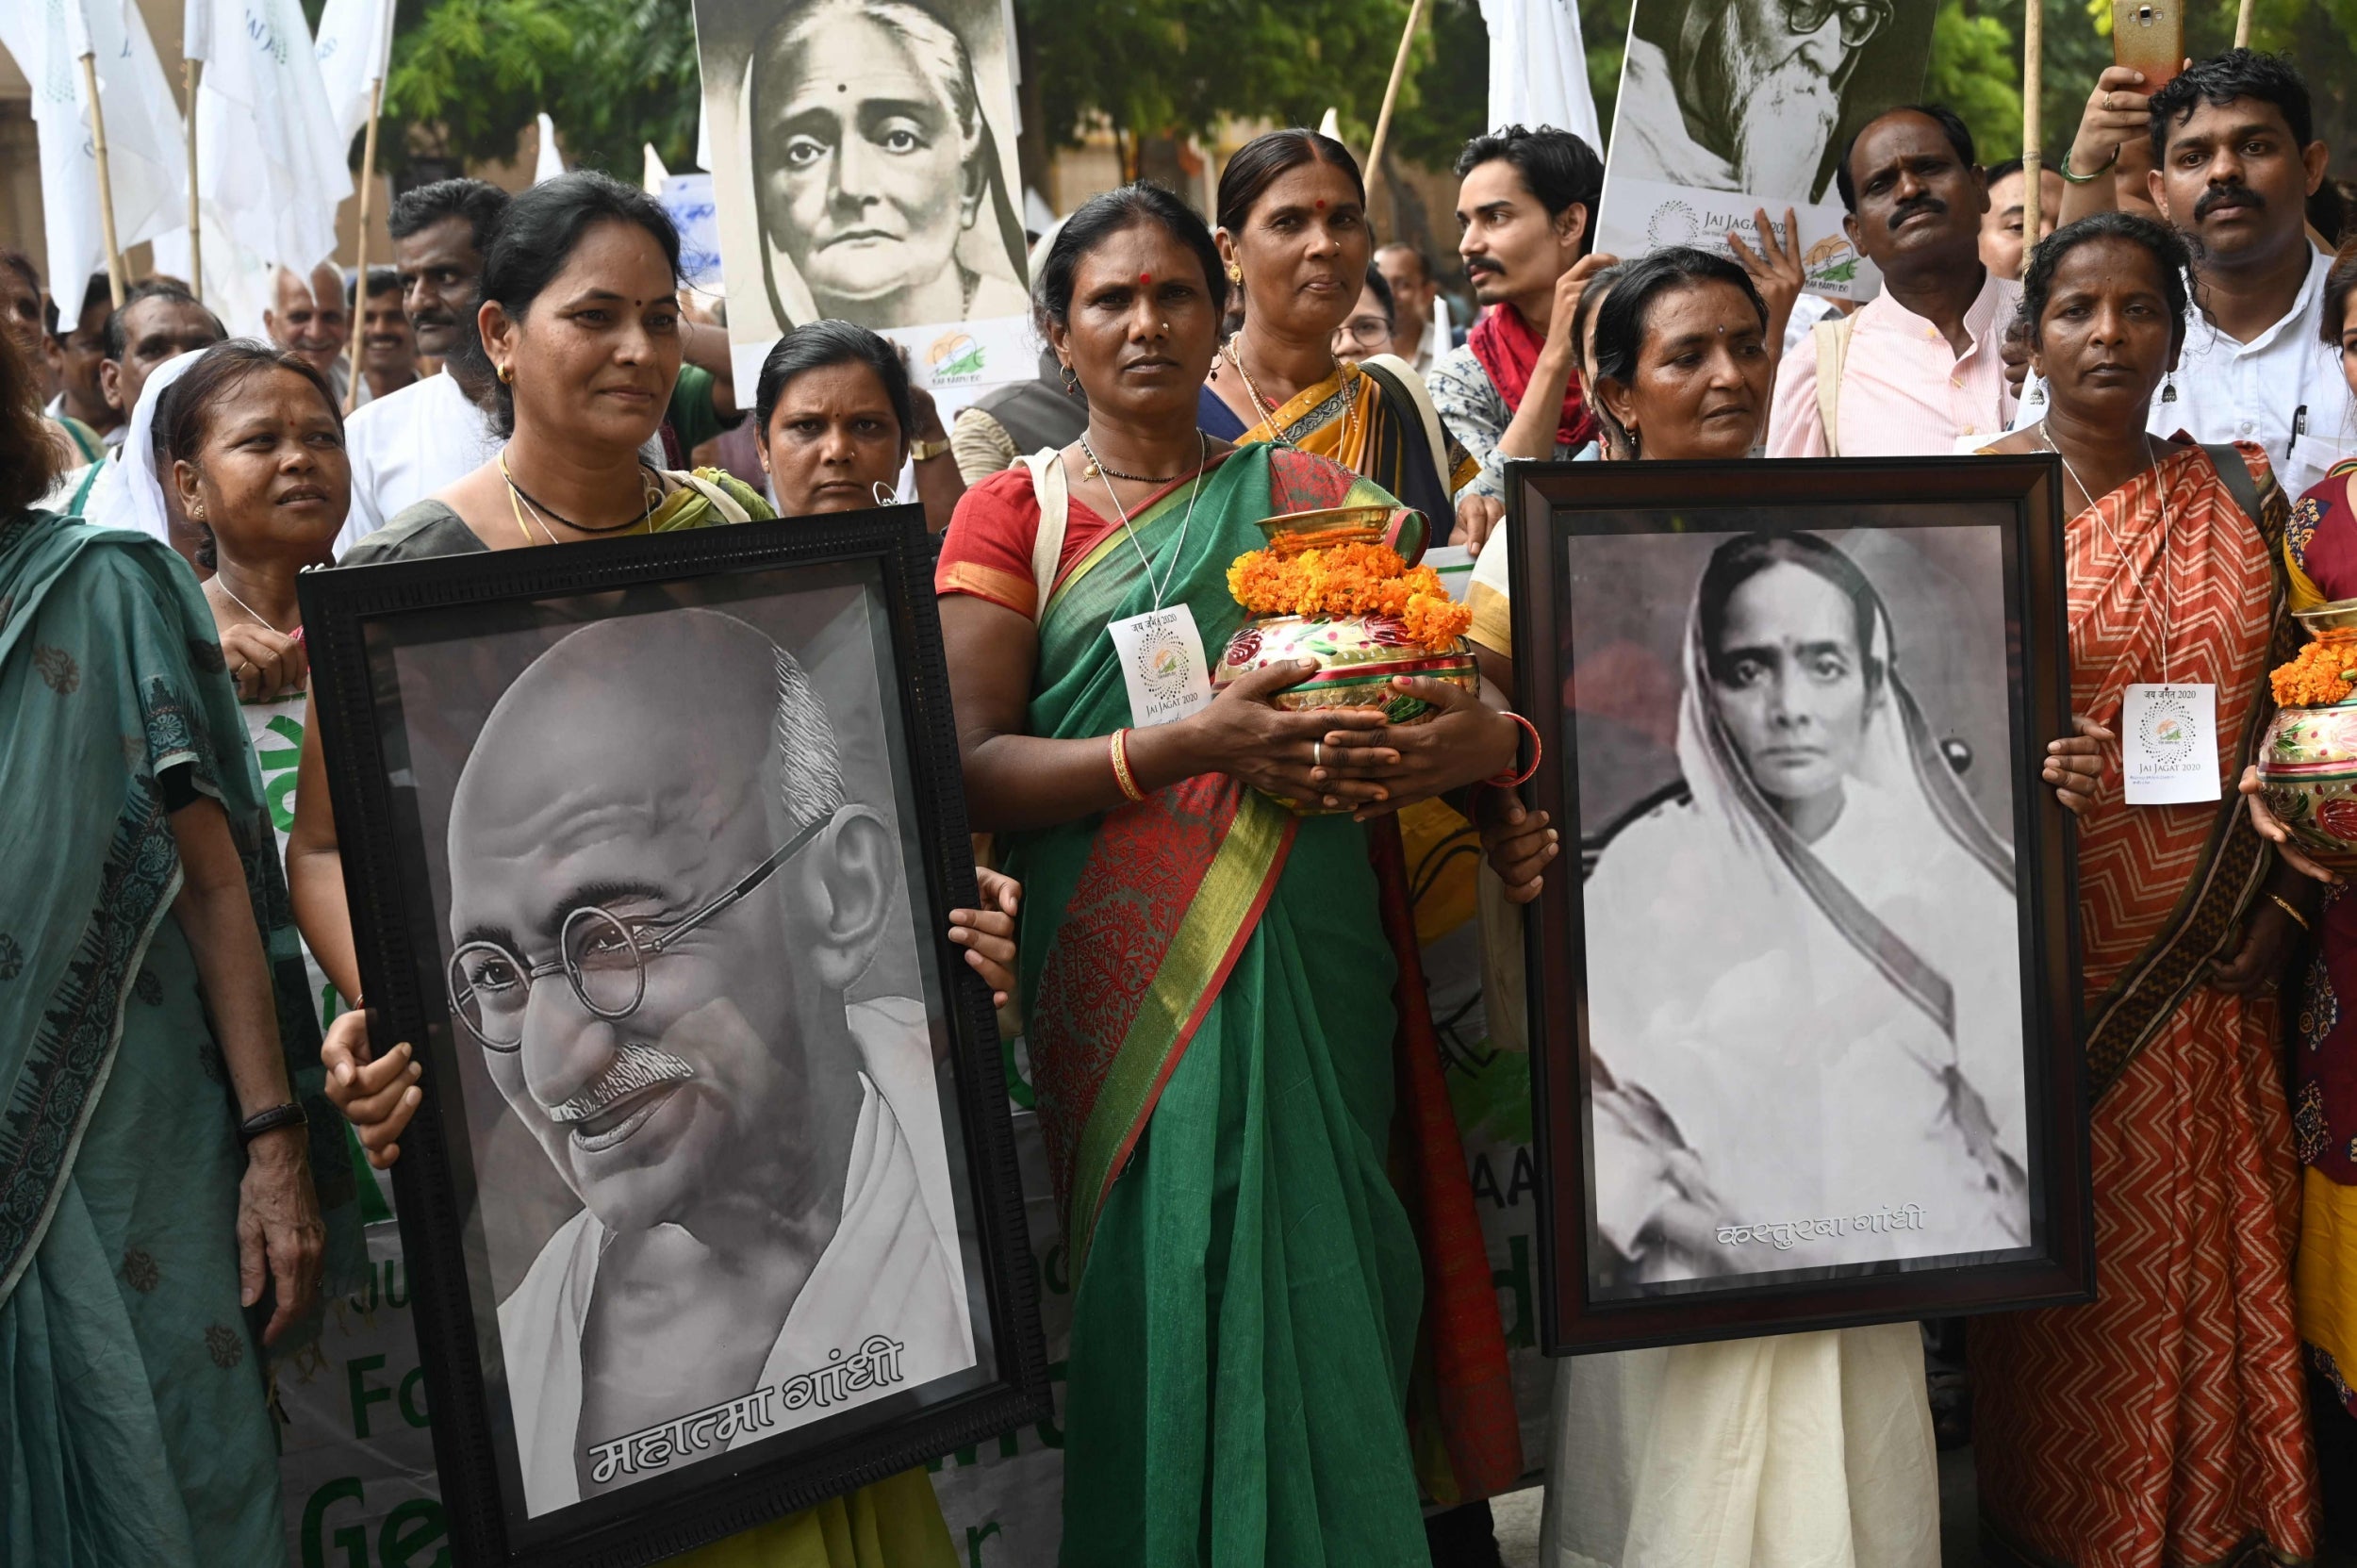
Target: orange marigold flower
[2324,673]
[1355,577]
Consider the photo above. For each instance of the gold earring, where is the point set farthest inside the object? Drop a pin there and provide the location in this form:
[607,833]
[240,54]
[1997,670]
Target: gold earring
[1235,271]
[507,376]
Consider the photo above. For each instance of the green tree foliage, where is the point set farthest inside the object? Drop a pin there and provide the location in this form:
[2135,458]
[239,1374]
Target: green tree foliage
[1156,67]
[1976,70]
[614,74]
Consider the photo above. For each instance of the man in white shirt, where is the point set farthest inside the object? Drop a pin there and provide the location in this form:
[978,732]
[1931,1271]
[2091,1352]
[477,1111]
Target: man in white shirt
[307,317]
[660,899]
[408,444]
[1419,336]
[2235,161]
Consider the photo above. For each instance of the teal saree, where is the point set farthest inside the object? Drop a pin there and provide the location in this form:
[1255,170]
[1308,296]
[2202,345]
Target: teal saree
[134,1423]
[1208,991]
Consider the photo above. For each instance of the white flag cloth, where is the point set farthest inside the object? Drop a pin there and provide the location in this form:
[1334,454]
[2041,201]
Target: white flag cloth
[351,47]
[1538,68]
[551,162]
[270,159]
[146,163]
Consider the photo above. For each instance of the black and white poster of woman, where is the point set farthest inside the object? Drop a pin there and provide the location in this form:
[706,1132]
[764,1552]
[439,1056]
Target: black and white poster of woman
[1811,945]
[864,170]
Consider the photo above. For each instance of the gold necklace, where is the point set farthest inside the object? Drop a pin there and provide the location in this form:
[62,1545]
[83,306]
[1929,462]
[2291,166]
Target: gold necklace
[1350,403]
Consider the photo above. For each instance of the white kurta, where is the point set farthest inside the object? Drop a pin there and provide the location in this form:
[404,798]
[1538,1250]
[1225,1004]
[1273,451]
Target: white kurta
[893,1269]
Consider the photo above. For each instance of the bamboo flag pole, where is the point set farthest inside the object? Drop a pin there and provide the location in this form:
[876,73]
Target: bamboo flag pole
[1390,92]
[190,71]
[2242,26]
[360,256]
[2033,154]
[106,181]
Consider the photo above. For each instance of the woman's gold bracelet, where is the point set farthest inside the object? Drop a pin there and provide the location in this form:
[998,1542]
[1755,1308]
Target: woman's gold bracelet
[2285,905]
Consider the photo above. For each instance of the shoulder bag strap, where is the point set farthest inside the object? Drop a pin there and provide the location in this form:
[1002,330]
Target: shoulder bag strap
[2235,473]
[1055,517]
[1832,348]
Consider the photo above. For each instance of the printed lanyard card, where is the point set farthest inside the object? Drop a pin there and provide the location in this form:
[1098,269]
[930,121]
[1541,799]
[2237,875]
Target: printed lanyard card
[2168,743]
[1162,660]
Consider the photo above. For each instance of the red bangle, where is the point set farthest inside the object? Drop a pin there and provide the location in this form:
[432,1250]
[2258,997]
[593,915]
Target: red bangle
[1118,746]
[1538,749]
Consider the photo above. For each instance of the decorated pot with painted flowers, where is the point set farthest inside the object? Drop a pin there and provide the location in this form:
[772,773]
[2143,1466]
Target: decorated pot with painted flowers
[1342,587]
[2308,763]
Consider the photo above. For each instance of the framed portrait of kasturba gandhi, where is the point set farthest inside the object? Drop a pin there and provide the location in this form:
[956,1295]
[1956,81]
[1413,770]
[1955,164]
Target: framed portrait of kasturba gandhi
[711,1208]
[1806,1002]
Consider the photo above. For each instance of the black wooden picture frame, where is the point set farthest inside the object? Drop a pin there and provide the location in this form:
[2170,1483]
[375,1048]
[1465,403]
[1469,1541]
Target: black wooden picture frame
[1568,518]
[357,620]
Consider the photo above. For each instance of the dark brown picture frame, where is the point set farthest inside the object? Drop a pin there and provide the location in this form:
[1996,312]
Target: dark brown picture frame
[353,618]
[1552,508]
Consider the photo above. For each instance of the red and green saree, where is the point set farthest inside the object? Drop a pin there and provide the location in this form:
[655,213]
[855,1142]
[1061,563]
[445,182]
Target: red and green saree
[1209,993]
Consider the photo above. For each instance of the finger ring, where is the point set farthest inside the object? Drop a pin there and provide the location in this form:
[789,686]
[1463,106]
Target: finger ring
[1317,753]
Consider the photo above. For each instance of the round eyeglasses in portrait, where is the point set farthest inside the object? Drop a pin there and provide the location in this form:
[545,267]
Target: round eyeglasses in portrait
[603,955]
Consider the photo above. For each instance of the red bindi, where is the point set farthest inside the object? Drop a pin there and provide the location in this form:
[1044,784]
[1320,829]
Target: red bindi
[1145,278]
[1321,203]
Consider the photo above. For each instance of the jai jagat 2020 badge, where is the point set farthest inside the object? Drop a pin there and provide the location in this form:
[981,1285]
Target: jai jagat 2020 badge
[2168,743]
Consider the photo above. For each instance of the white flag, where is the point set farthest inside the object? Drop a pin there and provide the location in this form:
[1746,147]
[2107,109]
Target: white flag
[351,45]
[271,161]
[551,162]
[144,161]
[1538,68]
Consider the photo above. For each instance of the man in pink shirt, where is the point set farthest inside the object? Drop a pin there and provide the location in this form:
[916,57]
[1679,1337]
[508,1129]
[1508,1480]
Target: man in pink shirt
[1917,371]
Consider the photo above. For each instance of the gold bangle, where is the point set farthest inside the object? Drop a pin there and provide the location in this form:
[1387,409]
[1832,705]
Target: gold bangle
[2284,904]
[1119,748]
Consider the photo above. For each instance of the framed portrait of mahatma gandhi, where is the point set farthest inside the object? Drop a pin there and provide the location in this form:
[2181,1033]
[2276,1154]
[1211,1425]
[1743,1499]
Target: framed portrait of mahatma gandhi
[1729,107]
[711,1207]
[1804,1006]
[866,171]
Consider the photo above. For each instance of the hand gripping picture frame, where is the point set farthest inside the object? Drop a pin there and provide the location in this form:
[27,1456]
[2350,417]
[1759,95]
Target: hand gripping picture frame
[711,1207]
[1805,1006]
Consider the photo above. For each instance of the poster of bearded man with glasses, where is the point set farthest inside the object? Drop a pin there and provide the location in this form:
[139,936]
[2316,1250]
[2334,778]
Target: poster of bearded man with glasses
[1731,107]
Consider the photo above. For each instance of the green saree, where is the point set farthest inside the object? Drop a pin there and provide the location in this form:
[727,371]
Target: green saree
[134,1426]
[1209,992]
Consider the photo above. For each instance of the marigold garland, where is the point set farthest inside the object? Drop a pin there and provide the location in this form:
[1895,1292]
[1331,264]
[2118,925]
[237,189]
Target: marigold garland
[2325,672]
[1349,579]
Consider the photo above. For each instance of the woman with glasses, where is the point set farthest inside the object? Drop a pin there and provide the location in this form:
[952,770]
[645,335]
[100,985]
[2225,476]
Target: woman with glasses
[579,318]
[1308,369]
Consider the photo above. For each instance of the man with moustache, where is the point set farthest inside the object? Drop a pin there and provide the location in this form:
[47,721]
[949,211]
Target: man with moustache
[2234,162]
[76,352]
[1739,94]
[760,1160]
[158,321]
[306,316]
[388,351]
[1919,369]
[410,444]
[1524,209]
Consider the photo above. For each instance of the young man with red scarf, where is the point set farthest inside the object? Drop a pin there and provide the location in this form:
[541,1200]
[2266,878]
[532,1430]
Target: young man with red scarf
[1526,210]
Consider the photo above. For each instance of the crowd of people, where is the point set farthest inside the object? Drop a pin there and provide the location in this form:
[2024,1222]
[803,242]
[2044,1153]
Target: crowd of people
[1255,1302]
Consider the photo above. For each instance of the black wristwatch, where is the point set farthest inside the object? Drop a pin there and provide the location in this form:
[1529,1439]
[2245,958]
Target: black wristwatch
[289,1114]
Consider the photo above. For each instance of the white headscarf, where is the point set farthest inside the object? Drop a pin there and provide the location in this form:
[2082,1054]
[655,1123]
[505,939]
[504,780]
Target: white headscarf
[128,493]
